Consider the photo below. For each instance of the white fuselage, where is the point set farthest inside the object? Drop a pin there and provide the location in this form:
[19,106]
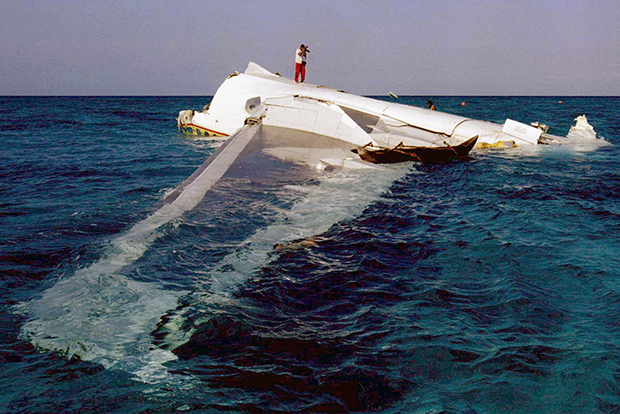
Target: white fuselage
[384,123]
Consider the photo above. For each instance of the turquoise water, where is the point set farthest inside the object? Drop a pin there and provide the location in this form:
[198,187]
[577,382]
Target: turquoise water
[485,286]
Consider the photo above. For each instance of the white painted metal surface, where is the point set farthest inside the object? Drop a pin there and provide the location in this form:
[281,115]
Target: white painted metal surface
[377,121]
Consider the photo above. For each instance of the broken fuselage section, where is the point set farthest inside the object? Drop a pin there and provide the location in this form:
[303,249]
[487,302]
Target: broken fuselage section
[337,123]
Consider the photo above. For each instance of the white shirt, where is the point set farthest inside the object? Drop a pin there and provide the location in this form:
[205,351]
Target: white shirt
[299,59]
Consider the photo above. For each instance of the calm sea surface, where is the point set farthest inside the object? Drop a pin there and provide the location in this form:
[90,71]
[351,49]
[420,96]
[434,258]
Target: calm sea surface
[485,286]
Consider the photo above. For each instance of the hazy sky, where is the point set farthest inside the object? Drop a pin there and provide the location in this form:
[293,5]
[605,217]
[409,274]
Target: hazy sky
[452,47]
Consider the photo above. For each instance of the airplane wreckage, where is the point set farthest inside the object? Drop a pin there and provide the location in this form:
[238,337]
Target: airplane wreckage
[325,127]
[264,119]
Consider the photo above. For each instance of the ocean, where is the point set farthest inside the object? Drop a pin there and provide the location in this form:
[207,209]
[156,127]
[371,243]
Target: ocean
[490,285]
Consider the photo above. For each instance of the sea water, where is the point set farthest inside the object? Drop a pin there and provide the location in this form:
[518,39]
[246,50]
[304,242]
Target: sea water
[485,286]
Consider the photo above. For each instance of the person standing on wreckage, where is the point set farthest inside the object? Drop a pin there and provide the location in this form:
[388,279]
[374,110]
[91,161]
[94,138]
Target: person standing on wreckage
[300,63]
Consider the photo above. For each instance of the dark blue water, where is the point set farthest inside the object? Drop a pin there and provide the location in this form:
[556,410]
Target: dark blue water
[486,286]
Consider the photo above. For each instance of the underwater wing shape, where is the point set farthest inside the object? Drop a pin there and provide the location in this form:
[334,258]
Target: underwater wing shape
[100,313]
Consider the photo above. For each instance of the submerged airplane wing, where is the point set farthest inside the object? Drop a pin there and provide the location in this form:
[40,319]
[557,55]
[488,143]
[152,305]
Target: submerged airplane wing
[264,156]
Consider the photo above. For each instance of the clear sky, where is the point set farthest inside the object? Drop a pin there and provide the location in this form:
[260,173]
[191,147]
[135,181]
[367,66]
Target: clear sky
[451,47]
